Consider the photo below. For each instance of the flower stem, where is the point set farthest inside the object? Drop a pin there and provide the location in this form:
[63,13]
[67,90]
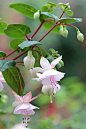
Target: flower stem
[69,25]
[37,30]
[61,15]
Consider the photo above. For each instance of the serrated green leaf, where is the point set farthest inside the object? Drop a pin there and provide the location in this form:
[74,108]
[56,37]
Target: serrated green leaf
[46,15]
[37,56]
[69,12]
[15,42]
[8,64]
[2,54]
[28,44]
[3,26]
[65,7]
[25,9]
[14,79]
[51,5]
[69,20]
[48,25]
[45,9]
[17,30]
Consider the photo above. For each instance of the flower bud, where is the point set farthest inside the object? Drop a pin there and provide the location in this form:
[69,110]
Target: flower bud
[29,60]
[37,15]
[64,32]
[15,104]
[4,98]
[80,36]
[47,89]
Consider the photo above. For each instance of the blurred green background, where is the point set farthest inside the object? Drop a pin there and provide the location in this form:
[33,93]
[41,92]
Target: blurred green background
[69,108]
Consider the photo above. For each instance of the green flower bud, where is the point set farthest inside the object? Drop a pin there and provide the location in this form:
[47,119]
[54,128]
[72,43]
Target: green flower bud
[37,15]
[80,36]
[61,63]
[29,60]
[64,32]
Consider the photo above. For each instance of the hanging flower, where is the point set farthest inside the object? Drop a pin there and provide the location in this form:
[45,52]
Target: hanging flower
[1,80]
[50,76]
[24,107]
[35,70]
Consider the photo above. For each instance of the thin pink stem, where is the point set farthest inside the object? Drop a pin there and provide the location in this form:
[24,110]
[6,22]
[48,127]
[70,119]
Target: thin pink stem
[61,15]
[20,55]
[27,37]
[37,30]
[69,25]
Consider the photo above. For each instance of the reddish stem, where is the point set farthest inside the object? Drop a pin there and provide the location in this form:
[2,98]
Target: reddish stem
[61,15]
[40,51]
[13,52]
[37,61]
[27,37]
[20,55]
[69,25]
[37,30]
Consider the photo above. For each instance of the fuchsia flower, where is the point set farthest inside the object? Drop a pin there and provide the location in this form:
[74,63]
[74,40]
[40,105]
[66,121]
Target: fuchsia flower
[50,76]
[24,106]
[1,80]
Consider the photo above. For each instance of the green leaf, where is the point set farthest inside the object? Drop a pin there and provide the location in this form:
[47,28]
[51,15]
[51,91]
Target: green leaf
[28,44]
[65,7]
[69,12]
[2,62]
[14,79]
[45,9]
[46,15]
[48,25]
[25,9]
[2,54]
[15,42]
[69,20]
[51,5]
[3,26]
[17,30]
[37,56]
[7,65]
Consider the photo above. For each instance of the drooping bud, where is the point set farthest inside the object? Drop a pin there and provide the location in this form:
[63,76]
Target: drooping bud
[63,31]
[47,89]
[29,60]
[80,36]
[37,15]
[15,104]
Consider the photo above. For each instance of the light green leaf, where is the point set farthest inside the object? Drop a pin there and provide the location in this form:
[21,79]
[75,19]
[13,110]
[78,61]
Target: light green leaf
[64,6]
[3,26]
[2,54]
[25,9]
[69,20]
[8,64]
[14,79]
[45,9]
[51,5]
[28,44]
[15,42]
[69,12]
[17,30]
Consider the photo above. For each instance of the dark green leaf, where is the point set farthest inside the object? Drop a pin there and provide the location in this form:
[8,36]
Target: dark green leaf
[50,24]
[8,64]
[14,79]
[37,56]
[17,30]
[69,12]
[69,20]
[2,54]
[3,26]
[28,44]
[45,9]
[15,42]
[51,5]
[2,62]
[46,15]
[25,9]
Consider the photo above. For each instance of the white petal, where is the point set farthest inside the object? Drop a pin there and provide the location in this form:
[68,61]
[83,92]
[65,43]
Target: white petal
[45,63]
[46,81]
[1,86]
[56,61]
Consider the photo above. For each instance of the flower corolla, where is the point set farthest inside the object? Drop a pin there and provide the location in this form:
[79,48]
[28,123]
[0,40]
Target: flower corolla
[24,107]
[1,80]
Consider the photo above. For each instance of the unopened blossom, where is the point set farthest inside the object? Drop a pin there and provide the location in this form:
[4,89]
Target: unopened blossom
[29,60]
[37,15]
[80,36]
[63,31]
[1,80]
[24,106]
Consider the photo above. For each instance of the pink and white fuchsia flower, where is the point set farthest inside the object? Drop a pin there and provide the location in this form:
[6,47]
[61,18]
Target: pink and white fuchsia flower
[50,76]
[1,80]
[24,107]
